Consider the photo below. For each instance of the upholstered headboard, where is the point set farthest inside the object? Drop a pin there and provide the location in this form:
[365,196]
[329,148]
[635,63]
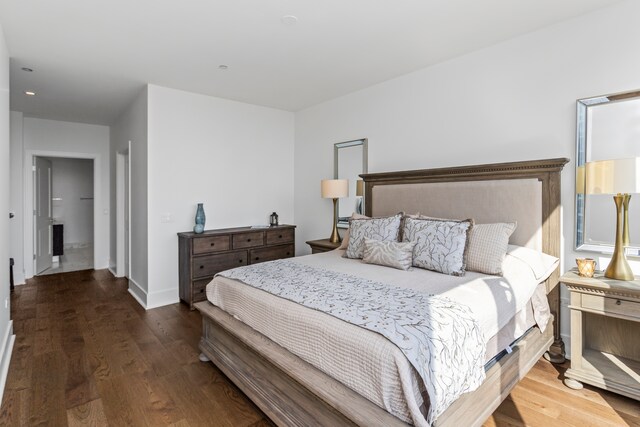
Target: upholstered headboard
[527,192]
[518,200]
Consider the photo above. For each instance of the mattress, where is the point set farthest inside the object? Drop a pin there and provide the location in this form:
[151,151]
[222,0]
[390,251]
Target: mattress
[365,361]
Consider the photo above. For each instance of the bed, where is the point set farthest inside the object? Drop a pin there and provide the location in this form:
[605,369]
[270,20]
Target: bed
[292,391]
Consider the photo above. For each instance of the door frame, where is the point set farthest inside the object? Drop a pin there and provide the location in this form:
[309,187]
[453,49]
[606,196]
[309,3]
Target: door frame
[121,192]
[29,195]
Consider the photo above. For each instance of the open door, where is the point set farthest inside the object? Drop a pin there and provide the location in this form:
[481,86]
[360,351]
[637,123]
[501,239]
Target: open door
[43,217]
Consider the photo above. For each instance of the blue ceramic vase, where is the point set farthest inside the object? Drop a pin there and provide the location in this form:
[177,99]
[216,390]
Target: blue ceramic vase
[200,219]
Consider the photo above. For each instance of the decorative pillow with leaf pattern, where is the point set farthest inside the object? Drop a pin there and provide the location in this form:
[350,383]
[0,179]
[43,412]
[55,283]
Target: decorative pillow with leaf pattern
[384,229]
[440,244]
[389,254]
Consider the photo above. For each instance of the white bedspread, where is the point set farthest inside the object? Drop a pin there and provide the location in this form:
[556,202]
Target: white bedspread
[363,360]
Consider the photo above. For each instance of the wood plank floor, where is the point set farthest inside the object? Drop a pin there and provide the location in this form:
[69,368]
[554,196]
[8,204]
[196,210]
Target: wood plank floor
[87,354]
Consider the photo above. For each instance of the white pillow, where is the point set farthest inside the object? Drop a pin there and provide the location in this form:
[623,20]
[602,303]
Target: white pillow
[541,264]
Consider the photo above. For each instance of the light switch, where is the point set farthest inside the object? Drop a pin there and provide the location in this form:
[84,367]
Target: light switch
[166,217]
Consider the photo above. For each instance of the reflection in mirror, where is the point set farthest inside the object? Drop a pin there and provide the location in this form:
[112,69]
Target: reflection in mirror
[350,160]
[608,127]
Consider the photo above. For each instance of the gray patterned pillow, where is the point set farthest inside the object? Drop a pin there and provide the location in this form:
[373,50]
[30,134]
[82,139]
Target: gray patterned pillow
[488,244]
[390,254]
[440,244]
[384,229]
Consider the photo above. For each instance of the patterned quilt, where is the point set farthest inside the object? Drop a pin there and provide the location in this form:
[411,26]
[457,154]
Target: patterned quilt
[440,338]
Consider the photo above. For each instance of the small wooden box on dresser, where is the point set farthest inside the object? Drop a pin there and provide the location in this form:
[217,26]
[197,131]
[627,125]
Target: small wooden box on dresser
[203,255]
[605,333]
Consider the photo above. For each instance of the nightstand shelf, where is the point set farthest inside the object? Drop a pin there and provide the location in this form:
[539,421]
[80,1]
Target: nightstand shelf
[605,326]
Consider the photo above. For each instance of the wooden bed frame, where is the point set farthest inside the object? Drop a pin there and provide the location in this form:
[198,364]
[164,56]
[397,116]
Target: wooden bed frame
[292,392]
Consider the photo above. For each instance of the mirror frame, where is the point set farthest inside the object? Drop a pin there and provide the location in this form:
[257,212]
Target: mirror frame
[582,125]
[336,148]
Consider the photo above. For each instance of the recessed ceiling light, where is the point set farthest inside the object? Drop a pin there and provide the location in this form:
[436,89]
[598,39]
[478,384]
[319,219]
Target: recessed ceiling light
[27,69]
[289,20]
[29,93]
[223,67]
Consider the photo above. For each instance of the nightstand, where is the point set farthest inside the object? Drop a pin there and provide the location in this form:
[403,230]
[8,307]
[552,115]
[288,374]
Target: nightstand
[605,333]
[322,245]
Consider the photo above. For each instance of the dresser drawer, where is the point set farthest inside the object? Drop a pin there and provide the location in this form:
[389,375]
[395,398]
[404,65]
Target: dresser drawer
[611,305]
[248,240]
[209,265]
[275,237]
[270,254]
[203,245]
[199,290]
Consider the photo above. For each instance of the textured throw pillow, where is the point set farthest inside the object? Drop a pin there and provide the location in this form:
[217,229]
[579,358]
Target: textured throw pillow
[345,239]
[440,244]
[488,244]
[383,229]
[389,254]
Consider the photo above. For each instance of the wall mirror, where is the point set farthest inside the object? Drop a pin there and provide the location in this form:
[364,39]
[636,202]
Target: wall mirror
[349,161]
[608,127]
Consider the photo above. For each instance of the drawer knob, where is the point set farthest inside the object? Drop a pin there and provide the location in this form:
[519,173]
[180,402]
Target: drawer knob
[240,261]
[201,290]
[618,302]
[280,236]
[248,240]
[213,244]
[201,267]
[288,253]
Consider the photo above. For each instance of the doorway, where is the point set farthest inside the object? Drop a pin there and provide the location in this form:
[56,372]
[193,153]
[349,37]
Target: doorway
[64,214]
[123,213]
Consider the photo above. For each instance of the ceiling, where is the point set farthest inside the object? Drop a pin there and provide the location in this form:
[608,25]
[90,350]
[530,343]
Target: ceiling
[91,57]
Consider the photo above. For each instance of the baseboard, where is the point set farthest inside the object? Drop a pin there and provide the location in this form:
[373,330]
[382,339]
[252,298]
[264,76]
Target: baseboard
[162,298]
[6,350]
[111,270]
[138,293]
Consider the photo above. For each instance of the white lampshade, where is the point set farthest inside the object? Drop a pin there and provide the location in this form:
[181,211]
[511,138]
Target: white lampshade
[580,178]
[334,188]
[613,176]
[359,188]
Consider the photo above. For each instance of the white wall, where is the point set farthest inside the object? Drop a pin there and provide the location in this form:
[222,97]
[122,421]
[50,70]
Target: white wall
[235,158]
[132,126]
[65,139]
[6,327]
[512,101]
[72,181]
[16,203]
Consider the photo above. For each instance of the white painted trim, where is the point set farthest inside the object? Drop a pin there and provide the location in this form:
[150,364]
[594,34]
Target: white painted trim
[138,293]
[162,298]
[6,350]
[29,195]
[111,270]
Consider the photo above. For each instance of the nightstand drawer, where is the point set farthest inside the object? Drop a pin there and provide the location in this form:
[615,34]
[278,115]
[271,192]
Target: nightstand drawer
[203,245]
[211,264]
[248,240]
[611,305]
[271,253]
[275,237]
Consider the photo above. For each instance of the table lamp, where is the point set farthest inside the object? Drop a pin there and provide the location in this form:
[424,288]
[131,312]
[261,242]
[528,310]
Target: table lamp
[619,177]
[334,189]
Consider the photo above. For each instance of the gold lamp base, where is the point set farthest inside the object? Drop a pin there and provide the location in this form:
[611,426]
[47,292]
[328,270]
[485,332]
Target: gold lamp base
[619,268]
[335,237]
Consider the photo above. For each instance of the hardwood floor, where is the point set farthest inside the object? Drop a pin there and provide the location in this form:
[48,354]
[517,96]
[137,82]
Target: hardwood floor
[87,354]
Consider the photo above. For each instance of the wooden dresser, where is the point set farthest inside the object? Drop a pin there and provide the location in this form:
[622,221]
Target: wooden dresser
[605,326]
[203,255]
